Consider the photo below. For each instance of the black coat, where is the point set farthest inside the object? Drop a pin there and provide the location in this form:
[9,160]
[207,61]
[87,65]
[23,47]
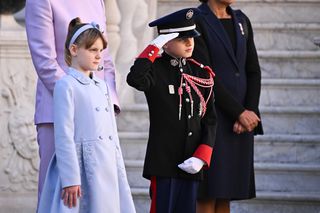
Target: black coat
[171,141]
[231,175]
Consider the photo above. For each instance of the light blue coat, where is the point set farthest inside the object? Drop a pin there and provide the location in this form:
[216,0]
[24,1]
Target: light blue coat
[87,150]
[47,24]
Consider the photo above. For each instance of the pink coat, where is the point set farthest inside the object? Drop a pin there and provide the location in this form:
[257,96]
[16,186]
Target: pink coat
[47,25]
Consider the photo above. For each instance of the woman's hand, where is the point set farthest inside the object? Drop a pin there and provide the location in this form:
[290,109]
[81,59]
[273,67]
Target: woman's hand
[70,194]
[249,120]
[238,127]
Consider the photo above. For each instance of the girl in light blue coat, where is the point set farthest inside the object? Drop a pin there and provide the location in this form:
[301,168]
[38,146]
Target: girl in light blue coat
[86,173]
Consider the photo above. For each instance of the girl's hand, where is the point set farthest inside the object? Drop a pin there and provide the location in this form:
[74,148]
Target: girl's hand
[70,194]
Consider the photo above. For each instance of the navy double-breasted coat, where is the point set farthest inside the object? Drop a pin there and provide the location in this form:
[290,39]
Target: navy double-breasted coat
[237,69]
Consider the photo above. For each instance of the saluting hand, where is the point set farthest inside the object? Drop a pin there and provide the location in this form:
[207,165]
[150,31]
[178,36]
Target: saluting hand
[162,39]
[70,195]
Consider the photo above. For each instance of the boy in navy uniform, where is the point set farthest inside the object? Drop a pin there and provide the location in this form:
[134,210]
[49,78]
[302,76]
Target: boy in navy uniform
[179,92]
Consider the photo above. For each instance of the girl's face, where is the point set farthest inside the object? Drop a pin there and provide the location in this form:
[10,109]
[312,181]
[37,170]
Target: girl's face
[87,60]
[180,47]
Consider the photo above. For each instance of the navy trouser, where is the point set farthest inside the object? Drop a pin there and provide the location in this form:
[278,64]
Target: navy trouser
[172,195]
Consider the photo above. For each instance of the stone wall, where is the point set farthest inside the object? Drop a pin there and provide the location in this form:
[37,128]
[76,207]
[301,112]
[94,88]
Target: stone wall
[18,146]
[128,34]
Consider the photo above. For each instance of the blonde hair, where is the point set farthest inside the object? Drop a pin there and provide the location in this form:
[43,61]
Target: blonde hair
[86,39]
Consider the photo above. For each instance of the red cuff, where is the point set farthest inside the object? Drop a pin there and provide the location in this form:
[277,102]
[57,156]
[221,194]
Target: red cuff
[150,52]
[204,153]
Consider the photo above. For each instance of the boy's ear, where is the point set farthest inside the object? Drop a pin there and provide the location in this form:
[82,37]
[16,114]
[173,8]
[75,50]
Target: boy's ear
[73,50]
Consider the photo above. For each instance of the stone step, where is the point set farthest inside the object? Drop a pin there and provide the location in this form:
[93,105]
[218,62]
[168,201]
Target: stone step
[134,173]
[290,92]
[291,120]
[276,120]
[290,64]
[283,11]
[133,118]
[286,54]
[275,148]
[275,177]
[266,202]
[286,36]
[279,202]
[141,199]
[133,145]
[291,149]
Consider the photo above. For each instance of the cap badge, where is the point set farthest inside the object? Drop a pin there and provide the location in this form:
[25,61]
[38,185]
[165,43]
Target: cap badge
[189,14]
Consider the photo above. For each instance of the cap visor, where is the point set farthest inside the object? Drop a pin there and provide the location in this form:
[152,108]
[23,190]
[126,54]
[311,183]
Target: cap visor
[189,34]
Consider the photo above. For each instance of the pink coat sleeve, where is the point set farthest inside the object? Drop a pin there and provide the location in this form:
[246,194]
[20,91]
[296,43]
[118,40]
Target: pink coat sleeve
[110,79]
[110,72]
[41,40]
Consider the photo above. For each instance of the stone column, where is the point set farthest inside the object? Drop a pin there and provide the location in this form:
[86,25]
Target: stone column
[18,146]
[113,26]
[134,36]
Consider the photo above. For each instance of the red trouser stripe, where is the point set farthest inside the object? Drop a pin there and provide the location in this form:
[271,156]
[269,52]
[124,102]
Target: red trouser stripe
[153,194]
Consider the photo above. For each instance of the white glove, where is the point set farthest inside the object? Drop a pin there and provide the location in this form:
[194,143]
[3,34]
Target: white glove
[192,165]
[163,39]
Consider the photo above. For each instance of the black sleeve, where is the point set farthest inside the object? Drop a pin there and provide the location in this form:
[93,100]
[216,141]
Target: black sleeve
[223,98]
[253,72]
[141,75]
[209,124]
